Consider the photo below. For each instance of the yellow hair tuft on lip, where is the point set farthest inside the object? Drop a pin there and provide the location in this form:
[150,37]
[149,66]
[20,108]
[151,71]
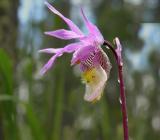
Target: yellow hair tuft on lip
[89,76]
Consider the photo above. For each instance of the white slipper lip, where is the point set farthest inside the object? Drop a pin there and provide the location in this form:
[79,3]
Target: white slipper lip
[98,89]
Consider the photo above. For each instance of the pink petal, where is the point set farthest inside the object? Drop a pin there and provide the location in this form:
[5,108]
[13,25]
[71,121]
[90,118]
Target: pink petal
[59,52]
[94,33]
[50,50]
[68,48]
[72,47]
[48,65]
[63,34]
[71,25]
[82,53]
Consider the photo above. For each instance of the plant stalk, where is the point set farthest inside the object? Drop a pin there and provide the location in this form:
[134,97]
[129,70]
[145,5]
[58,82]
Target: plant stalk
[122,89]
[123,103]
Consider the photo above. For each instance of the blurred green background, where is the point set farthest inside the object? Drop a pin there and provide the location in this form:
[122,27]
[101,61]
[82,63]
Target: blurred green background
[52,107]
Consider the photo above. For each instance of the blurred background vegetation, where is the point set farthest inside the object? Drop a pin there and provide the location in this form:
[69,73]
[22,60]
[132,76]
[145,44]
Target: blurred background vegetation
[52,107]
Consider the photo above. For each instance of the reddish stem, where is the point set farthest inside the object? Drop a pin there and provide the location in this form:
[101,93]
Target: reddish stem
[123,104]
[122,89]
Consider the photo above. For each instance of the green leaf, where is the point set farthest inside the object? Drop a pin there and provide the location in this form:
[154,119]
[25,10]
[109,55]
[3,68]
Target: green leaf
[34,123]
[7,107]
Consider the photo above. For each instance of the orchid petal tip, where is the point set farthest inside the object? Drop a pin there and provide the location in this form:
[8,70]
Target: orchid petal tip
[47,33]
[45,2]
[42,72]
[40,51]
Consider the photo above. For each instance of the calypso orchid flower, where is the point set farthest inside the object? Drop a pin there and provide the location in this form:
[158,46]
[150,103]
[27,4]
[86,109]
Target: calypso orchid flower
[87,53]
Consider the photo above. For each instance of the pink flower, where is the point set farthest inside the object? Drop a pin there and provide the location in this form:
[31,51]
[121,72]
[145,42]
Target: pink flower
[87,52]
